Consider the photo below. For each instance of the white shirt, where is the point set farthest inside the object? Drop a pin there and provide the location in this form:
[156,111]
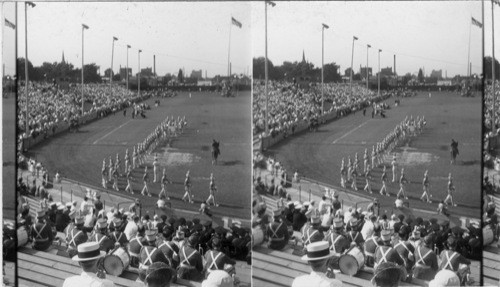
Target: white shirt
[131,230]
[87,280]
[315,279]
[368,229]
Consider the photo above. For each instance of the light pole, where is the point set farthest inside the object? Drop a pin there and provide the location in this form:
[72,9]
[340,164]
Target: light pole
[493,2]
[26,4]
[266,71]
[83,30]
[354,38]
[379,50]
[139,74]
[367,74]
[323,27]
[128,47]
[111,72]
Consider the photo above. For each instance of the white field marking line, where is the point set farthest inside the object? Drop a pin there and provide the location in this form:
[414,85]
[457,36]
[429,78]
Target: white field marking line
[115,129]
[349,132]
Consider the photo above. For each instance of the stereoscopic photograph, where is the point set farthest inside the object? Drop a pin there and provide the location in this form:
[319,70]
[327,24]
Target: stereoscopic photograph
[133,151]
[367,143]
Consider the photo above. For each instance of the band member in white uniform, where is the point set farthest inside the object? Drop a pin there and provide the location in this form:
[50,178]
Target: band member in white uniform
[145,179]
[426,184]
[111,166]
[187,188]
[134,158]
[451,189]
[155,168]
[393,163]
[164,181]
[365,161]
[115,179]
[383,189]
[402,185]
[129,180]
[368,186]
[213,189]
[343,174]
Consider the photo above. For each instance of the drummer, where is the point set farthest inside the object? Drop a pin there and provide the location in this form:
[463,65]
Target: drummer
[116,234]
[386,253]
[168,247]
[41,232]
[426,262]
[135,245]
[490,219]
[337,241]
[216,259]
[371,244]
[277,232]
[100,236]
[150,253]
[76,236]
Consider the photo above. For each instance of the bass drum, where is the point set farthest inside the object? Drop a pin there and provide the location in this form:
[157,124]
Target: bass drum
[257,236]
[351,262]
[22,236]
[116,261]
[487,235]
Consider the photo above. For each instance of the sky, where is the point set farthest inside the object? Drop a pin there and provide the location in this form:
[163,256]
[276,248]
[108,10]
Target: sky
[433,35]
[192,36]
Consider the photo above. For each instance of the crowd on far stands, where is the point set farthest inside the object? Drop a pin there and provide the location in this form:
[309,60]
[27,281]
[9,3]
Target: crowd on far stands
[50,105]
[422,248]
[290,104]
[187,249]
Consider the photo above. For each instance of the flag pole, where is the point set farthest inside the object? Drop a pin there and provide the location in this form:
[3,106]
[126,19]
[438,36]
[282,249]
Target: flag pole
[229,49]
[493,67]
[266,75]
[468,54]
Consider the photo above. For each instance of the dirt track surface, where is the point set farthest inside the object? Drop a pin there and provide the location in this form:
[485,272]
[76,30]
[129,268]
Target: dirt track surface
[318,155]
[79,156]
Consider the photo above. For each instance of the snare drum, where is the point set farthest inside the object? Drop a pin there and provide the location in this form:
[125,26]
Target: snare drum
[22,236]
[487,235]
[257,236]
[351,262]
[116,261]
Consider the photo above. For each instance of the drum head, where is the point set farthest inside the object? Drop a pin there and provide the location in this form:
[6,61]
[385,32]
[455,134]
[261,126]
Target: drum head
[348,264]
[113,265]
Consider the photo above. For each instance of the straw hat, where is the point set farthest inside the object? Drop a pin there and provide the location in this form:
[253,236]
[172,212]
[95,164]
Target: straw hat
[88,251]
[317,251]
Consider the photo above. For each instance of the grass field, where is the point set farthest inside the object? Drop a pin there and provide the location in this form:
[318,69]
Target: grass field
[9,156]
[318,155]
[79,156]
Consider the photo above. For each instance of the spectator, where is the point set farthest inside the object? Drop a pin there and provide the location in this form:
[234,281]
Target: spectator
[317,256]
[388,274]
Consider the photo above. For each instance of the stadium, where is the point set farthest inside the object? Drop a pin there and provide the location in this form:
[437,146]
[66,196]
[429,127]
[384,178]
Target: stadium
[132,179]
[359,179]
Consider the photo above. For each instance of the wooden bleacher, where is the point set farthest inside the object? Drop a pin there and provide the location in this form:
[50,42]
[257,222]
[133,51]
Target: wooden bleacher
[491,257]
[279,268]
[38,268]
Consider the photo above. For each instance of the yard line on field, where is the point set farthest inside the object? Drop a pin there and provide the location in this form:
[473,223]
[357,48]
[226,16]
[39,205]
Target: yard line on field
[115,129]
[349,132]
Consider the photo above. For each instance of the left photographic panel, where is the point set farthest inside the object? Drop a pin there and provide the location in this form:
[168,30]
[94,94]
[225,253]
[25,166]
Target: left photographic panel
[8,111]
[134,136]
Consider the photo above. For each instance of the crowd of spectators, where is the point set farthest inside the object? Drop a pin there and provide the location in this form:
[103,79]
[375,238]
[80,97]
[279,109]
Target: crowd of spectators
[421,247]
[291,104]
[51,105]
[191,249]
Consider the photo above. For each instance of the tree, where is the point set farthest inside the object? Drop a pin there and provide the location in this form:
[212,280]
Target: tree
[180,76]
[90,74]
[259,68]
[420,76]
[107,72]
[487,68]
[20,69]
[331,73]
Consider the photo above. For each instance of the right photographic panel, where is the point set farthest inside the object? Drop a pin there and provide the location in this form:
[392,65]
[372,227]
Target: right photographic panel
[368,144]
[491,146]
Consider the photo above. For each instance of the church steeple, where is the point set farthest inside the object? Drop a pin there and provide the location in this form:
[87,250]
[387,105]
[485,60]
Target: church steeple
[303,56]
[63,58]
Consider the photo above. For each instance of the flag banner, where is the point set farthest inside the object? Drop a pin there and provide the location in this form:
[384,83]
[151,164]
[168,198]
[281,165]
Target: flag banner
[9,24]
[355,38]
[326,26]
[85,26]
[271,3]
[236,22]
[369,46]
[477,23]
[115,39]
[128,46]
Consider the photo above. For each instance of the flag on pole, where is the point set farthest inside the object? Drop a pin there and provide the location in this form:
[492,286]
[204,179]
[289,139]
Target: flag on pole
[236,22]
[128,46]
[355,38]
[115,39]
[9,24]
[369,46]
[326,26]
[85,26]
[477,23]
